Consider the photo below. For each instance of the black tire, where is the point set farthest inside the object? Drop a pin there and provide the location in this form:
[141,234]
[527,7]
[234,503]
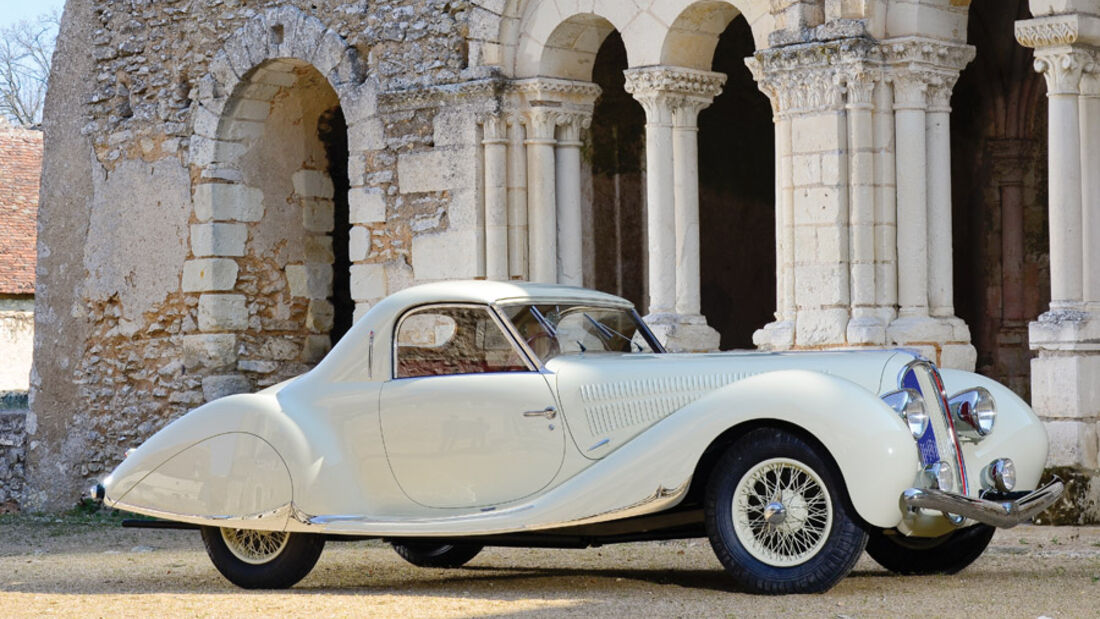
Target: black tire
[423,554]
[946,554]
[282,569]
[824,553]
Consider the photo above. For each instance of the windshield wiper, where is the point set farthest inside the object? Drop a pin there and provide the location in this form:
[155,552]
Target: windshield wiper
[606,333]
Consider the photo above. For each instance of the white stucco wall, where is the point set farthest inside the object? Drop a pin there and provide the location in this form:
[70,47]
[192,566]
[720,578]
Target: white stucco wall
[16,344]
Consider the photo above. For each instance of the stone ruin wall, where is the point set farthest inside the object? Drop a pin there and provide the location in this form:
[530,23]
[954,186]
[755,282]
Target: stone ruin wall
[137,368]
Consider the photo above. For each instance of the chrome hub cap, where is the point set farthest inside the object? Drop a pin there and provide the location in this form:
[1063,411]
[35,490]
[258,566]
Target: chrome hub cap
[255,547]
[782,512]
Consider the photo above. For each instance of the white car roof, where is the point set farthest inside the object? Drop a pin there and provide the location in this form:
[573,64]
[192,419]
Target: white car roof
[484,291]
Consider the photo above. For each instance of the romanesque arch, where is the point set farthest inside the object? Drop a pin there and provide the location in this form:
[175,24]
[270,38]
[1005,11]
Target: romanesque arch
[272,194]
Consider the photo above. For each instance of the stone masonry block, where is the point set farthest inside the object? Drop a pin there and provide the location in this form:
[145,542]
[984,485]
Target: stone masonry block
[209,274]
[818,133]
[315,348]
[958,356]
[822,327]
[368,282]
[222,312]
[218,239]
[445,255]
[806,170]
[319,249]
[209,351]
[1066,386]
[312,184]
[455,127]
[1072,443]
[317,214]
[435,170]
[834,168]
[358,243]
[313,281]
[214,387]
[228,202]
[366,205]
[366,135]
[319,316]
[820,205]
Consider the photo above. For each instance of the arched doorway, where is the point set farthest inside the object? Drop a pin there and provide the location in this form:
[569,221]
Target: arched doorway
[279,209]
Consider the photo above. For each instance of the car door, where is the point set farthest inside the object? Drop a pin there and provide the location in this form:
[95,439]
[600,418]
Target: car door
[466,421]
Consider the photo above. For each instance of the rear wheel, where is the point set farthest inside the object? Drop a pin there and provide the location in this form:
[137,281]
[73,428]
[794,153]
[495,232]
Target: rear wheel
[262,559]
[777,516]
[436,555]
[946,554]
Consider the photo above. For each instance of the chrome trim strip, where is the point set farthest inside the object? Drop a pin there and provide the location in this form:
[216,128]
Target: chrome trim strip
[1004,514]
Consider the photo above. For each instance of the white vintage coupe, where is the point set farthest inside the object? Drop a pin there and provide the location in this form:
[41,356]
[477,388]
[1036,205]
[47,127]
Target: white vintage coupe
[464,414]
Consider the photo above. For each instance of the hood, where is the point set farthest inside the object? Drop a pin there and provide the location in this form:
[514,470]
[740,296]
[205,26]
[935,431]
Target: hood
[609,398]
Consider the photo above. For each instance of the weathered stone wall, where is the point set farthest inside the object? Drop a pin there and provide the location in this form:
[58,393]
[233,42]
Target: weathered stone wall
[16,342]
[13,414]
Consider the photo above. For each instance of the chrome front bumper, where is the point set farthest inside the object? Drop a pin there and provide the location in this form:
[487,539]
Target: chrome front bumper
[999,513]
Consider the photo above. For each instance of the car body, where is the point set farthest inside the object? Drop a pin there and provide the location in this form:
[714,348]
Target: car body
[462,414]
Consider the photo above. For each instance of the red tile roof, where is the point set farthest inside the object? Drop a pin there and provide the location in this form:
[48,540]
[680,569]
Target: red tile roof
[20,169]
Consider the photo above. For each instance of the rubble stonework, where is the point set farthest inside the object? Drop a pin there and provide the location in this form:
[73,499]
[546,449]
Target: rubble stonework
[13,414]
[229,184]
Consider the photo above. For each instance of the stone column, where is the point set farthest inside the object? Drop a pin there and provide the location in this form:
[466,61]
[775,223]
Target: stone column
[495,144]
[517,199]
[542,222]
[1089,111]
[568,153]
[940,262]
[886,208]
[672,98]
[865,326]
[909,120]
[645,85]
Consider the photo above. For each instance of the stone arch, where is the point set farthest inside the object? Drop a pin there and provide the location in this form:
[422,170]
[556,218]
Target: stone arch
[693,37]
[271,162]
[529,29]
[927,18]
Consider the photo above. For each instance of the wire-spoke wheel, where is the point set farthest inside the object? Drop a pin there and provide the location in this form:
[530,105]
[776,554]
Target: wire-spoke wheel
[782,512]
[262,559]
[254,547]
[778,516]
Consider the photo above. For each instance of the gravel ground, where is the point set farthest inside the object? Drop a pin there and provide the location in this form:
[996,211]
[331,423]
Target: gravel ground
[84,566]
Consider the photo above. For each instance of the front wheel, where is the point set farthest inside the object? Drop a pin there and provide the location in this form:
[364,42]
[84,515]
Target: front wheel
[262,559]
[777,515]
[423,554]
[946,554]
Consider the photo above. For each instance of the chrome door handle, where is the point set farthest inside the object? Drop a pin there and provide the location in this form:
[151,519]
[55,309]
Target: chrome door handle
[547,412]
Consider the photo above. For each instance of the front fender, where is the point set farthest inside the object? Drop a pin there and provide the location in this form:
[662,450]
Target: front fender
[873,448]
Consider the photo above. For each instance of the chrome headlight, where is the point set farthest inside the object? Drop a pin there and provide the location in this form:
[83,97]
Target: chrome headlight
[1000,474]
[910,406]
[974,411]
[940,476]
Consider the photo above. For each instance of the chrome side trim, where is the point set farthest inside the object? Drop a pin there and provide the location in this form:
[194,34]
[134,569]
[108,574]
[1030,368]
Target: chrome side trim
[1004,514]
[273,520]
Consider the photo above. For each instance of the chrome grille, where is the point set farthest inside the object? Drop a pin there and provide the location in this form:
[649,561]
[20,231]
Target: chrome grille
[922,376]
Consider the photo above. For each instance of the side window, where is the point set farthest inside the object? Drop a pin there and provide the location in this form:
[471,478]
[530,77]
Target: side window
[443,340]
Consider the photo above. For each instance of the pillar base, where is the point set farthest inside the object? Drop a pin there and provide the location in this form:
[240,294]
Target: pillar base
[777,335]
[866,331]
[682,333]
[943,340]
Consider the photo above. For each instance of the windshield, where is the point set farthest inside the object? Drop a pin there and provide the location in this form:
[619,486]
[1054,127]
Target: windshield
[553,329]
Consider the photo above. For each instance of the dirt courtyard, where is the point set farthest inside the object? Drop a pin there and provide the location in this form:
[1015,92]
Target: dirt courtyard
[90,567]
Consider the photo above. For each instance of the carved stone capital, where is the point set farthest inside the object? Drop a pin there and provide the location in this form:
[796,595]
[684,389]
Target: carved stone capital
[671,94]
[541,123]
[1062,67]
[812,78]
[570,125]
[1056,30]
[919,52]
[564,93]
[494,129]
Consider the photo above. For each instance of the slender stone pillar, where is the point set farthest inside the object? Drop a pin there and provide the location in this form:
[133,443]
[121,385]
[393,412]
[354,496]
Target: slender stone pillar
[645,85]
[542,222]
[940,258]
[1090,183]
[568,154]
[495,143]
[910,123]
[886,207]
[865,326]
[517,200]
[1062,70]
